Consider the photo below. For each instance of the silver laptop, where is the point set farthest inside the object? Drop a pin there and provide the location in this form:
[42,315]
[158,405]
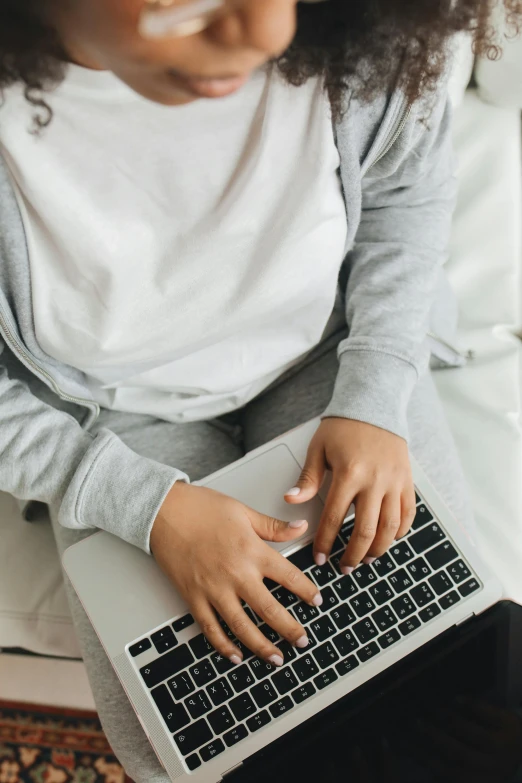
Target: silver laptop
[203,716]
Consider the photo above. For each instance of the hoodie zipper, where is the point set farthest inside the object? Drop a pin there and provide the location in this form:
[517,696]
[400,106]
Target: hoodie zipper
[391,137]
[16,348]
[468,355]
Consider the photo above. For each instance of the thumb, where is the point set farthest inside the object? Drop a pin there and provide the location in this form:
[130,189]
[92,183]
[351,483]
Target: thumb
[271,529]
[311,477]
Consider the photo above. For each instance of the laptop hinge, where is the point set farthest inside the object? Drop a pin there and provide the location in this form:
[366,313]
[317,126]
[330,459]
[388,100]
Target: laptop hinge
[231,770]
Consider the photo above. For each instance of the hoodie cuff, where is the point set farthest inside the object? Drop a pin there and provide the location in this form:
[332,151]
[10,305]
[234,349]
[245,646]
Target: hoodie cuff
[118,491]
[373,387]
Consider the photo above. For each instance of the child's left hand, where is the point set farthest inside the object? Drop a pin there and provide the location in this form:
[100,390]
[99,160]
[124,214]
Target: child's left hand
[371,467]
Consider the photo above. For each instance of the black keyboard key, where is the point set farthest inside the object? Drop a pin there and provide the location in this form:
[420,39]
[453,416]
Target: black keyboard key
[422,517]
[288,651]
[330,599]
[221,720]
[389,638]
[383,565]
[264,693]
[335,560]
[164,639]
[419,569]
[468,587]
[181,686]
[285,597]
[427,537]
[459,571]
[325,678]
[323,628]
[303,693]
[365,630]
[221,664]
[281,706]
[241,678]
[243,706]
[191,737]
[381,592]
[417,499]
[212,749]
[202,673]
[235,735]
[305,668]
[269,583]
[139,647]
[338,545]
[345,587]
[342,616]
[285,680]
[193,762]
[323,574]
[259,720]
[450,599]
[246,652]
[367,652]
[346,531]
[303,558]
[384,618]
[167,666]
[400,580]
[362,604]
[429,612]
[183,622]
[305,613]
[403,607]
[345,642]
[442,555]
[347,665]
[409,625]
[261,668]
[364,576]
[441,582]
[269,633]
[174,715]
[220,691]
[422,594]
[198,704]
[325,655]
[401,553]
[252,616]
[200,646]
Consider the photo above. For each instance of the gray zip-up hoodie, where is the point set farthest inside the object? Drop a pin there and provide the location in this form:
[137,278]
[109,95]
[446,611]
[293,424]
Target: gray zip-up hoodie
[397,177]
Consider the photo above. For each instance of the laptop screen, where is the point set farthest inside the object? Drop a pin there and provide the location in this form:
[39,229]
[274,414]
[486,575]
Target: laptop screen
[451,711]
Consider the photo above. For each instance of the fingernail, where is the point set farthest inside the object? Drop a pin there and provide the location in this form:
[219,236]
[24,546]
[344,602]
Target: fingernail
[276,660]
[320,559]
[317,600]
[302,641]
[235,659]
[346,570]
[297,523]
[292,493]
[369,560]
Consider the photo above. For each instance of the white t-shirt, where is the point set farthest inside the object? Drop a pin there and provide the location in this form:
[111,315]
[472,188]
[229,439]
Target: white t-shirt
[184,257]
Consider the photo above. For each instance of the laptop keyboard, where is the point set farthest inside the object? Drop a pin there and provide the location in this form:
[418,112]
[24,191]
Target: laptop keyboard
[208,703]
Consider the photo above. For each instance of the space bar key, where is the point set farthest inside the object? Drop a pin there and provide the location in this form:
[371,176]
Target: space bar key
[169,664]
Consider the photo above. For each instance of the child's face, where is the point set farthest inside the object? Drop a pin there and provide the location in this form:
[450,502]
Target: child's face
[104,34]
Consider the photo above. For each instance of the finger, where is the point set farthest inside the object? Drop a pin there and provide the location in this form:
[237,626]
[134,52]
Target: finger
[367,513]
[338,502]
[311,478]
[206,617]
[271,529]
[389,524]
[278,618]
[408,511]
[230,609]
[288,575]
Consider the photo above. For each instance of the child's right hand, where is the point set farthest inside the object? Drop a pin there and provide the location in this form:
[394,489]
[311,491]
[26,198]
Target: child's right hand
[211,547]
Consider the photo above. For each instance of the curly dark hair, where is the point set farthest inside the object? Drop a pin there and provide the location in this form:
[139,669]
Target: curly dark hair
[363,44]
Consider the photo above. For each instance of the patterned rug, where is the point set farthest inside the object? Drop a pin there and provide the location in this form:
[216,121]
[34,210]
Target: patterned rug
[49,745]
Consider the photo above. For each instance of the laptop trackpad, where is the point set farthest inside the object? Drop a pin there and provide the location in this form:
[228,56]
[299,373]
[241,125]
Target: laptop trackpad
[261,483]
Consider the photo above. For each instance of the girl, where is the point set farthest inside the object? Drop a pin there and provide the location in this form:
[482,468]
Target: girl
[181,183]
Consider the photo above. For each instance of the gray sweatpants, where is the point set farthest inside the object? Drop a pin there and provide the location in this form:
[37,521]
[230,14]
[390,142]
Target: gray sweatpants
[200,448]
